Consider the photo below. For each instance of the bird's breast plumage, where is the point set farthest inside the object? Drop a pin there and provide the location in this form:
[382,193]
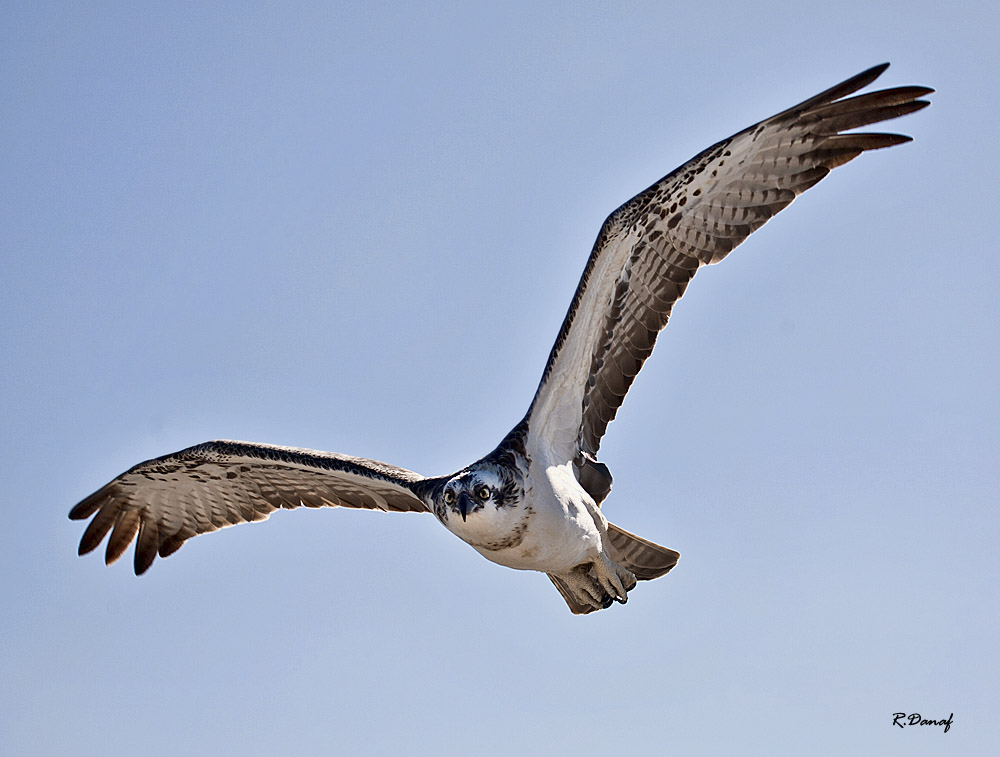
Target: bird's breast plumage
[548,528]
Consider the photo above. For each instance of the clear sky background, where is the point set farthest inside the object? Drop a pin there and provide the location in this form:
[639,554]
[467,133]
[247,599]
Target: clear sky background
[357,227]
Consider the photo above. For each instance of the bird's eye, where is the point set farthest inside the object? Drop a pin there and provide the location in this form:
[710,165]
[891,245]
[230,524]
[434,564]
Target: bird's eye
[449,497]
[483,492]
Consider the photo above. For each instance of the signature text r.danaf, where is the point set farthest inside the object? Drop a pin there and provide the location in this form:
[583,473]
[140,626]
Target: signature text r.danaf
[902,719]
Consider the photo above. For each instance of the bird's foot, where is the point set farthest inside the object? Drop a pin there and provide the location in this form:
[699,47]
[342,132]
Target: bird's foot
[596,585]
[613,580]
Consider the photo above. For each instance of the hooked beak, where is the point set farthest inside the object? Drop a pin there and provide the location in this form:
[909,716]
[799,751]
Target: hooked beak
[464,505]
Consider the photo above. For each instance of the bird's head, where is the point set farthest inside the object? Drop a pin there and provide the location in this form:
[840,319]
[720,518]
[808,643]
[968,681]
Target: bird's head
[483,486]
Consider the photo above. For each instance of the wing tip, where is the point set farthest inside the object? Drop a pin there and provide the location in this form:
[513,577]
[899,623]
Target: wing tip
[878,140]
[839,92]
[874,72]
[871,74]
[142,563]
[86,507]
[857,81]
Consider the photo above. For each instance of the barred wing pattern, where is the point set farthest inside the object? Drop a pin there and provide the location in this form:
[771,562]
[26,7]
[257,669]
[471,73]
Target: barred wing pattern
[649,248]
[168,500]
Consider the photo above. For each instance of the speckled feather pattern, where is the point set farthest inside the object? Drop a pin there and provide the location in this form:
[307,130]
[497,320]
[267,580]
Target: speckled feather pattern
[534,502]
[168,500]
[695,216]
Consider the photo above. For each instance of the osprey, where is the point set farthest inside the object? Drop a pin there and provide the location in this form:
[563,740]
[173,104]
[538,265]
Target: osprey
[534,503]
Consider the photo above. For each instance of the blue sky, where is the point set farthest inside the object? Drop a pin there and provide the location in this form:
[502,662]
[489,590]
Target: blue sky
[358,230]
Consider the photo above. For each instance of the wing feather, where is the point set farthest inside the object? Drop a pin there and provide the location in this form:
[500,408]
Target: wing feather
[649,249]
[126,527]
[166,501]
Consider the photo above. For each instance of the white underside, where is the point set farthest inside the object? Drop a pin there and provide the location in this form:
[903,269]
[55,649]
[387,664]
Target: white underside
[560,524]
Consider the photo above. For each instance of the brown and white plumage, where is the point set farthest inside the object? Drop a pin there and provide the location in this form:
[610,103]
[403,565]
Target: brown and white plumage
[533,503]
[168,500]
[649,248]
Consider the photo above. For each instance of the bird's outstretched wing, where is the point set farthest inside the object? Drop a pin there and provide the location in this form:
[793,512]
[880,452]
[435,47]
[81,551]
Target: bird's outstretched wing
[168,500]
[649,248]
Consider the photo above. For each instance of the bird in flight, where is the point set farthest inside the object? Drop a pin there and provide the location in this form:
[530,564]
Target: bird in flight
[534,502]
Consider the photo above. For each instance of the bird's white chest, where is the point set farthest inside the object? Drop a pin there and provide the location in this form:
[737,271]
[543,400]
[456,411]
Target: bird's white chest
[552,529]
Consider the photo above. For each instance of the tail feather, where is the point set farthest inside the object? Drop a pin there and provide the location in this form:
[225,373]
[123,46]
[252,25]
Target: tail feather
[645,559]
